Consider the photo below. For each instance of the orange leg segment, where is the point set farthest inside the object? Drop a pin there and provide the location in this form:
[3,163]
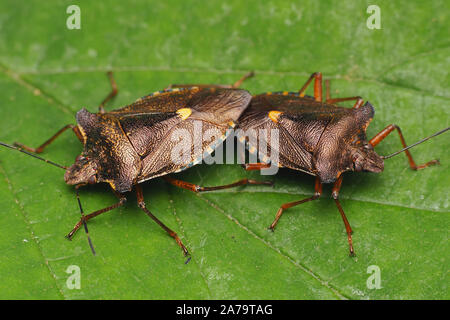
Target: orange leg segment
[335,193]
[141,203]
[197,188]
[385,132]
[317,193]
[317,76]
[111,95]
[121,202]
[41,148]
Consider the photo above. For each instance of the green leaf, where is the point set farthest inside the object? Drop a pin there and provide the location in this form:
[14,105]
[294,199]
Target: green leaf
[400,217]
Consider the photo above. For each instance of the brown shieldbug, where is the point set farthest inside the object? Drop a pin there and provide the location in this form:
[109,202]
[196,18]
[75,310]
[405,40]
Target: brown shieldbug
[319,138]
[128,146]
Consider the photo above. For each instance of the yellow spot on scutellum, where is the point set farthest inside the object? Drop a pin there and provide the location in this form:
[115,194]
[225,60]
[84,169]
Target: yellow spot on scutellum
[184,113]
[274,115]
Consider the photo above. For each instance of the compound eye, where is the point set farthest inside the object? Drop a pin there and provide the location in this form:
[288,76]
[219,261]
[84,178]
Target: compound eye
[92,179]
[357,164]
[79,158]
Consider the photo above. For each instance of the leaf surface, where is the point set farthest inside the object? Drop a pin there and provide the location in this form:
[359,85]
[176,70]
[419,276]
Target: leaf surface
[400,217]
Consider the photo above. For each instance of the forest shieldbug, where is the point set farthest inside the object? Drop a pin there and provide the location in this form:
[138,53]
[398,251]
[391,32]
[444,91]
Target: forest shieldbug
[319,138]
[128,146]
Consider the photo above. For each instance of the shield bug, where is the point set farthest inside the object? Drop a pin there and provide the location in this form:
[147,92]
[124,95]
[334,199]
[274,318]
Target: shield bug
[319,138]
[128,146]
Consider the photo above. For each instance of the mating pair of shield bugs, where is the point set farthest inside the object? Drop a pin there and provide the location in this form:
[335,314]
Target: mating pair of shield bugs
[128,146]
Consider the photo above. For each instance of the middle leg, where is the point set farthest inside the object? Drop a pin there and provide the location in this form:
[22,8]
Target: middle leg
[358,103]
[122,200]
[317,193]
[197,188]
[141,203]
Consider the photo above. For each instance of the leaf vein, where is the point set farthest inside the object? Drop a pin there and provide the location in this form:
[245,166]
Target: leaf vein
[299,265]
[33,235]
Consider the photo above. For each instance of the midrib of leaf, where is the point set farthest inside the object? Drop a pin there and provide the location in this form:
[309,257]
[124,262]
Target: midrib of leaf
[383,82]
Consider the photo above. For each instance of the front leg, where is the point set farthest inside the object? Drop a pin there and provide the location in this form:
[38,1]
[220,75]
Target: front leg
[385,132]
[41,148]
[84,218]
[348,229]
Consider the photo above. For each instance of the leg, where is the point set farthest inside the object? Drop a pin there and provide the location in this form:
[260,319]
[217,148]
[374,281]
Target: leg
[141,203]
[197,188]
[111,95]
[317,76]
[252,166]
[56,135]
[335,194]
[121,202]
[317,193]
[255,166]
[235,85]
[238,83]
[327,90]
[385,132]
[358,103]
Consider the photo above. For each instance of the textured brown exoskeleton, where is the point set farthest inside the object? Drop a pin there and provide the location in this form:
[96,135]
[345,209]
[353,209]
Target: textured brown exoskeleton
[128,146]
[318,138]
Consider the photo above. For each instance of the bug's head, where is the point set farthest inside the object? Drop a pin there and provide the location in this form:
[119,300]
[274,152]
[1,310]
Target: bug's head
[108,155]
[364,158]
[83,171]
[360,153]
[344,146]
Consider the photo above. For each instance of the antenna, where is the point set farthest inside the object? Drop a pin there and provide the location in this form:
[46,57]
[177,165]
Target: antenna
[83,219]
[33,155]
[415,144]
